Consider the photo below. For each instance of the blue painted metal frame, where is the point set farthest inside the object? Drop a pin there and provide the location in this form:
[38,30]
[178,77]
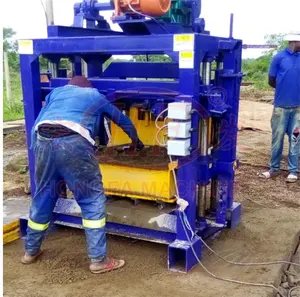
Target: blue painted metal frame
[187,85]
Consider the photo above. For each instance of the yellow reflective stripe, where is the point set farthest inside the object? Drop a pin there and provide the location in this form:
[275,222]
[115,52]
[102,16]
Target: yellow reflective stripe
[37,226]
[93,224]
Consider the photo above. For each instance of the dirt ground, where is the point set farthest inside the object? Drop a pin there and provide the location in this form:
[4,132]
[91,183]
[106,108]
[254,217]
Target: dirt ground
[271,218]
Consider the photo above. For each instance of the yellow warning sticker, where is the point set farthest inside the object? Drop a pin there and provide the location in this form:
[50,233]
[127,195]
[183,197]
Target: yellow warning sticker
[183,42]
[186,60]
[25,47]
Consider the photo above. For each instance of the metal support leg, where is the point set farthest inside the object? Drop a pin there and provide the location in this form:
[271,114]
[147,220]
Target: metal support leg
[30,73]
[181,252]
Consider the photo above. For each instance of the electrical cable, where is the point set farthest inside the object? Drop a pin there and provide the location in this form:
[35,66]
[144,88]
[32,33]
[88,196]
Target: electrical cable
[245,263]
[157,133]
[146,16]
[291,290]
[156,120]
[186,225]
[265,285]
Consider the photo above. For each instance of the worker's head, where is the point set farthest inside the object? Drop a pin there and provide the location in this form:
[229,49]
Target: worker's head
[294,42]
[80,81]
[295,46]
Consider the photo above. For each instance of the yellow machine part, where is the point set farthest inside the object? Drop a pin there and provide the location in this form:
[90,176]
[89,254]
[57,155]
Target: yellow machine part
[135,182]
[138,183]
[11,232]
[146,129]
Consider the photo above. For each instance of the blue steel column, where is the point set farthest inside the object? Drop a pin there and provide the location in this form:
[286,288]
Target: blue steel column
[30,75]
[230,81]
[181,250]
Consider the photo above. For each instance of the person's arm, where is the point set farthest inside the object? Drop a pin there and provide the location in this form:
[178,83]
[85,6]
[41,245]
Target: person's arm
[273,71]
[124,122]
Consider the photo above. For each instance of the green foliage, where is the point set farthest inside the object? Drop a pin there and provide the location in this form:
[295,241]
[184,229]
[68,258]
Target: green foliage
[14,112]
[10,47]
[8,43]
[152,58]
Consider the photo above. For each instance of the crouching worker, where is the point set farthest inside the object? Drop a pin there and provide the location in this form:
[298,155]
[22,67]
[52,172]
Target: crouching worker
[63,143]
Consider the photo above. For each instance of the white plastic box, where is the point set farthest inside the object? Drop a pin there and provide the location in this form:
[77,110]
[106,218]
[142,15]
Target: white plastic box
[179,110]
[179,129]
[179,147]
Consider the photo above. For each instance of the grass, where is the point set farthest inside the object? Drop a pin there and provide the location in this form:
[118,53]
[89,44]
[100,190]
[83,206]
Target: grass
[14,112]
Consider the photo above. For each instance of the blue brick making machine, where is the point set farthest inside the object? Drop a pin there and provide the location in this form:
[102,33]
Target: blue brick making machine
[181,90]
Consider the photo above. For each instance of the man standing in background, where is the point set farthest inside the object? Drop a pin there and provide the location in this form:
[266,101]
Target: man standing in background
[284,76]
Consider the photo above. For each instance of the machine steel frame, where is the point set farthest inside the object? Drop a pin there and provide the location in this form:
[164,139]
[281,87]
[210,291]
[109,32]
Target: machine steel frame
[187,84]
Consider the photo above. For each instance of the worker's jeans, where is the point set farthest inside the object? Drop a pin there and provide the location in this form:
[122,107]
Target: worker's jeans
[67,159]
[285,121]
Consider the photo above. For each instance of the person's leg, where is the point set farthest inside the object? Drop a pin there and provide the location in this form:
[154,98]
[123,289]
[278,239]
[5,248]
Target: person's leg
[84,179]
[43,201]
[294,144]
[279,125]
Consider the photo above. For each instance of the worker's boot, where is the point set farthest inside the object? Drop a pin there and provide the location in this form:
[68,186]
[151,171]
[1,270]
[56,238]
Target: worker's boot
[28,259]
[106,265]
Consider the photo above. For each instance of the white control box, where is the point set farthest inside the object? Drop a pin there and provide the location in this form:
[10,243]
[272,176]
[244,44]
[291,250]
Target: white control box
[179,110]
[179,129]
[179,147]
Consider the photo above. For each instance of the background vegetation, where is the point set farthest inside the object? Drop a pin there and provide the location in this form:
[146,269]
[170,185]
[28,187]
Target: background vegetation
[256,70]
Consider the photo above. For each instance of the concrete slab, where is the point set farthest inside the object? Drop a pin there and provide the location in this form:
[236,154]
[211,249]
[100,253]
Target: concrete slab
[13,126]
[14,208]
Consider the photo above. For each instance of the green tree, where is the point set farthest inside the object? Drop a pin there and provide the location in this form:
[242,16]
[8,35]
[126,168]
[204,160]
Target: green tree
[8,43]
[152,58]
[10,46]
[256,70]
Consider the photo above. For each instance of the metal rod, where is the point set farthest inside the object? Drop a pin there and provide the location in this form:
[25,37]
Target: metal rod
[213,196]
[84,68]
[209,133]
[53,69]
[206,73]
[203,152]
[220,65]
[231,25]
[203,135]
[201,201]
[214,183]
[208,197]
[49,12]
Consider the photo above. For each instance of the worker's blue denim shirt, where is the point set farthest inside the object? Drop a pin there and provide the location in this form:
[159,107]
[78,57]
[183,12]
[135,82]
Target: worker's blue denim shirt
[84,106]
[285,67]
